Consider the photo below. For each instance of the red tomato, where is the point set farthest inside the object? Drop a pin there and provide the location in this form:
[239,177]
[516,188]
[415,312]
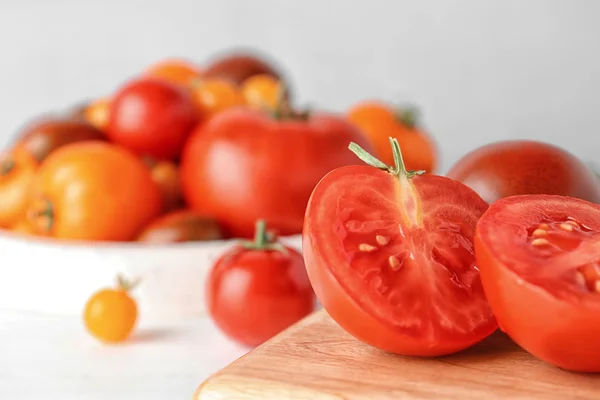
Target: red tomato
[390,256]
[540,265]
[517,167]
[152,117]
[258,289]
[242,166]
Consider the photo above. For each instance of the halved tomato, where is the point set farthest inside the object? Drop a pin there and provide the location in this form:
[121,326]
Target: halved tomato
[540,265]
[390,256]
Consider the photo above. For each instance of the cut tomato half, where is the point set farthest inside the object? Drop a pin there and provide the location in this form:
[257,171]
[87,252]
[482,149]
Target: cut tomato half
[540,266]
[390,255]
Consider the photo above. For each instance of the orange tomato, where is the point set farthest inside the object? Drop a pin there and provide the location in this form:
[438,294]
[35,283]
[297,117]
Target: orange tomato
[17,169]
[379,122]
[110,315]
[178,71]
[262,91]
[92,191]
[97,113]
[215,95]
[166,175]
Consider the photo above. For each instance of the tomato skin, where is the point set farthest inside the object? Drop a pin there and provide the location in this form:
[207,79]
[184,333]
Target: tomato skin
[519,167]
[319,243]
[181,226]
[213,96]
[45,135]
[152,117]
[560,332]
[17,170]
[177,71]
[166,176]
[262,92]
[239,66]
[253,295]
[97,113]
[243,166]
[379,121]
[92,191]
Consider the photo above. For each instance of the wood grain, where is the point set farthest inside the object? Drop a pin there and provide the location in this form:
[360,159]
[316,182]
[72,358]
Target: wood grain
[317,360]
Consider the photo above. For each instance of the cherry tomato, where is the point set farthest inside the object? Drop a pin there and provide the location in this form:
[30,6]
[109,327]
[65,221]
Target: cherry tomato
[166,176]
[243,165]
[181,226]
[45,135]
[23,227]
[17,170]
[93,191]
[239,66]
[539,257]
[517,167]
[258,289]
[110,315]
[177,71]
[262,91]
[152,117]
[379,121]
[97,113]
[390,256]
[216,95]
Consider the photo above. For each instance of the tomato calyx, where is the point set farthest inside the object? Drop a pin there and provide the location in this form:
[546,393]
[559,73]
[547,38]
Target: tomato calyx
[42,216]
[408,116]
[7,166]
[263,240]
[125,285]
[398,170]
[283,110]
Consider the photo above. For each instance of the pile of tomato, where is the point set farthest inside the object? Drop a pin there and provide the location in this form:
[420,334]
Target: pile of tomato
[403,259]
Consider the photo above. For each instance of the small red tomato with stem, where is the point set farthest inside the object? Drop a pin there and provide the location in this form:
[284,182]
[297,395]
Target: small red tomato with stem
[389,253]
[258,289]
[152,117]
[110,315]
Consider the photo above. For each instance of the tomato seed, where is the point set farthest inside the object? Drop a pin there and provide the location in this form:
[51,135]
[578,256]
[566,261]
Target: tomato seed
[540,242]
[394,263]
[544,226]
[573,223]
[366,247]
[566,227]
[540,232]
[580,279]
[382,240]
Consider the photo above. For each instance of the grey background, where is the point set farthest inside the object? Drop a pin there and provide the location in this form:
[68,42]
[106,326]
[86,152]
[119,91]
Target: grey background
[481,70]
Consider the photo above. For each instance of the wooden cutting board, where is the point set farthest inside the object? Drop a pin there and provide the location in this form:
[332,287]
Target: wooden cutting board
[317,360]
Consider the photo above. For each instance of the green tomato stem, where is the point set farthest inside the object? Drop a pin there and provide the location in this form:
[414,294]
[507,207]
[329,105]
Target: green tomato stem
[264,240]
[398,170]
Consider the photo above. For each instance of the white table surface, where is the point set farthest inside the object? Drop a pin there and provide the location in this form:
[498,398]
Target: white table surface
[51,358]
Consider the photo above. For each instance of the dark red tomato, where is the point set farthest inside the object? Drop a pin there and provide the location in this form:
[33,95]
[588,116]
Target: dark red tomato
[390,256]
[243,165]
[518,167]
[540,265]
[181,226]
[257,289]
[239,66]
[152,117]
[44,135]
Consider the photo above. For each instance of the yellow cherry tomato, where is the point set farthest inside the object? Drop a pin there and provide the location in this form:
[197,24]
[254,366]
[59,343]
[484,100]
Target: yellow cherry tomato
[262,92]
[110,315]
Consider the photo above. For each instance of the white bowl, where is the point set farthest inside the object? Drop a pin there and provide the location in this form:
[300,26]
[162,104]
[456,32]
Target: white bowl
[55,277]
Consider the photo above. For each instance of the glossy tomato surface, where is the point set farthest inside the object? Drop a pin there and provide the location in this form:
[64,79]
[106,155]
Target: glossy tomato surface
[41,137]
[519,167]
[181,226]
[392,260]
[152,117]
[244,165]
[92,191]
[253,294]
[540,265]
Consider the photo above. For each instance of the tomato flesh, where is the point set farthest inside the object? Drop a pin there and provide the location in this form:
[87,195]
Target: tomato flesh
[403,258]
[545,291]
